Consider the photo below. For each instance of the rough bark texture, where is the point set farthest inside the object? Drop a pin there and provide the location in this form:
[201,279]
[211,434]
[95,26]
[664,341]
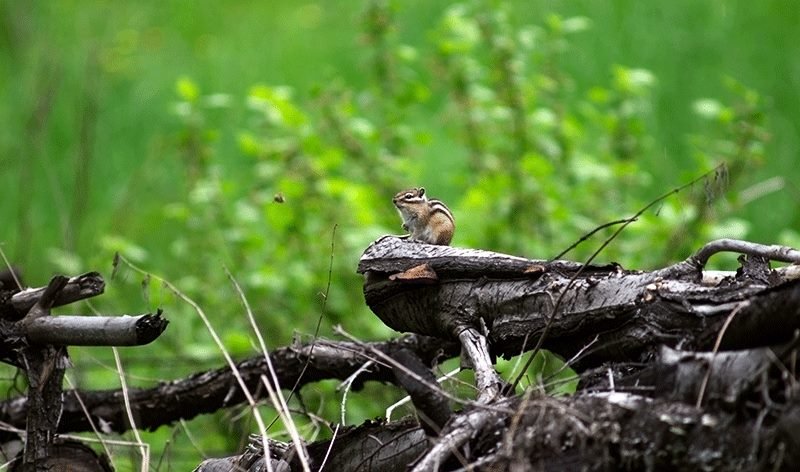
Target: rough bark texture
[372,446]
[37,343]
[594,432]
[71,456]
[678,370]
[44,366]
[630,312]
[77,288]
[206,392]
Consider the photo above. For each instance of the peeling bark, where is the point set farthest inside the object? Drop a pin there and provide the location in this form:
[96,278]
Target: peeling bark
[631,312]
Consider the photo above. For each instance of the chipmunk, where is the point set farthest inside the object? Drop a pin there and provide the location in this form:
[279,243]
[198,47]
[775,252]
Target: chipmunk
[428,221]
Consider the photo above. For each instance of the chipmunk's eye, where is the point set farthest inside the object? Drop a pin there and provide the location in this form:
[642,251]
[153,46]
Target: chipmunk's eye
[408,195]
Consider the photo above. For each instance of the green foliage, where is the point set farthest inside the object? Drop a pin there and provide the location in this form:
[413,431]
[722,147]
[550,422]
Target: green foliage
[280,166]
[547,374]
[528,150]
[330,161]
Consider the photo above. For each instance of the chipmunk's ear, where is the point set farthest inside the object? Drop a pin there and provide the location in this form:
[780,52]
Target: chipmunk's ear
[422,191]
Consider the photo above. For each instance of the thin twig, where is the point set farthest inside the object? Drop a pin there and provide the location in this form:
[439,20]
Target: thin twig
[407,398]
[330,446]
[574,358]
[10,269]
[194,442]
[286,417]
[714,351]
[590,234]
[89,418]
[273,387]
[167,445]
[348,382]
[143,449]
[319,320]
[228,359]
[771,252]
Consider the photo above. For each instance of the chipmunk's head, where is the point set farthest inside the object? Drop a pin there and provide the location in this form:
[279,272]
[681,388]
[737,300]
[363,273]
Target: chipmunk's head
[410,197]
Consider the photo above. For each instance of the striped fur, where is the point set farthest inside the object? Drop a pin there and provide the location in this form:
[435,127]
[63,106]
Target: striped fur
[439,206]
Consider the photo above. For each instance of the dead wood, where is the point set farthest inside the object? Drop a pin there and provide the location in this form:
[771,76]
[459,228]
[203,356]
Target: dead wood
[625,316]
[642,404]
[44,367]
[598,428]
[72,456]
[433,408]
[36,342]
[631,312]
[598,432]
[96,330]
[77,288]
[206,392]
[652,394]
[372,446]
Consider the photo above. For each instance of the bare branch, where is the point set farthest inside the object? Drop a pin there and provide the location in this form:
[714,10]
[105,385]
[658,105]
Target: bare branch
[206,392]
[771,252]
[77,288]
[96,330]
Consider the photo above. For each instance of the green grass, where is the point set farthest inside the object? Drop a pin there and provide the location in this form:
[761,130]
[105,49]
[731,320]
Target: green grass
[90,147]
[125,58]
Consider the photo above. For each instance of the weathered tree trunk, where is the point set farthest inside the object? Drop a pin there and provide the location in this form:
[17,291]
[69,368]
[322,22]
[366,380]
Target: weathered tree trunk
[440,291]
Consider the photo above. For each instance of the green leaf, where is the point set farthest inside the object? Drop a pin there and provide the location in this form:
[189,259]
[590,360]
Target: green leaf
[237,343]
[187,89]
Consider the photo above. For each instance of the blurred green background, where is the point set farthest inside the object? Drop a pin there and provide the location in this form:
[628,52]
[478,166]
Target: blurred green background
[268,137]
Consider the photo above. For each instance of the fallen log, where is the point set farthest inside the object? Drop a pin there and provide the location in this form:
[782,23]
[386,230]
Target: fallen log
[440,291]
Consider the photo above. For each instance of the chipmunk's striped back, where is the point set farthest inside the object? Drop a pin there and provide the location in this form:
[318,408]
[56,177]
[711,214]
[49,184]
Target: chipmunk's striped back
[439,206]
